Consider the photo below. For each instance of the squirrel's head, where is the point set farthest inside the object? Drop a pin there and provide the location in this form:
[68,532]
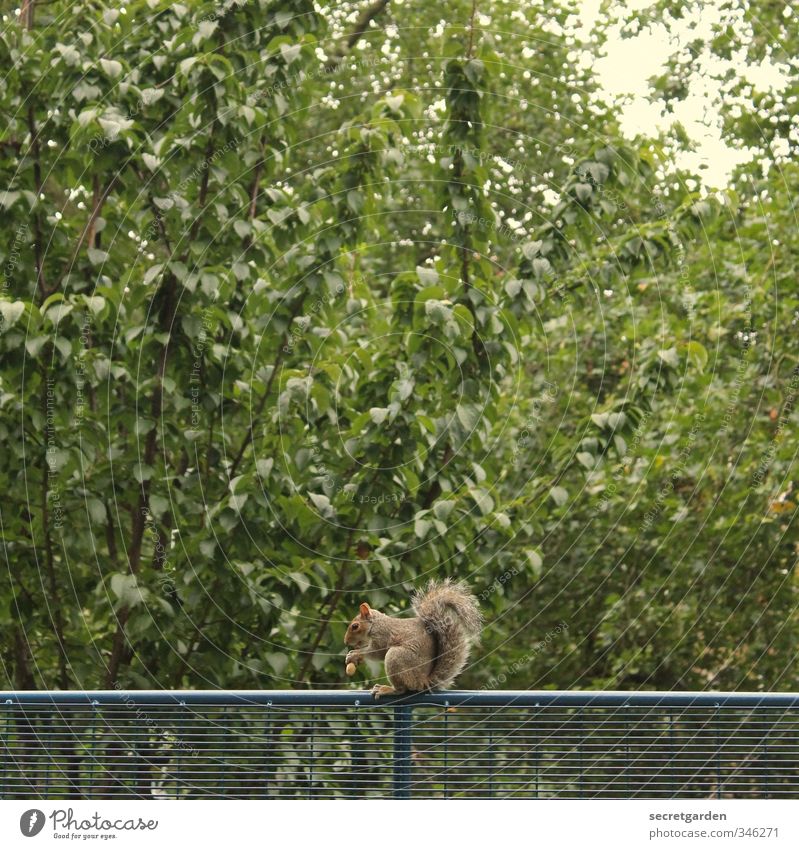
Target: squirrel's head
[358,630]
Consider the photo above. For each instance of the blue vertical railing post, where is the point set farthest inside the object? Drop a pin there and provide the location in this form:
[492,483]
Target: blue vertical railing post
[6,748]
[536,753]
[446,750]
[177,742]
[92,751]
[312,757]
[491,761]
[267,748]
[402,752]
[673,773]
[765,765]
[718,754]
[44,741]
[627,753]
[580,742]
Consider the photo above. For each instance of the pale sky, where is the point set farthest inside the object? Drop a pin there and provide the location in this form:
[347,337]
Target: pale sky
[631,61]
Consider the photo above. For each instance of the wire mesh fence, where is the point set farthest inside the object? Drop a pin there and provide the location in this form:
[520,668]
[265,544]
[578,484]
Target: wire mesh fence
[342,744]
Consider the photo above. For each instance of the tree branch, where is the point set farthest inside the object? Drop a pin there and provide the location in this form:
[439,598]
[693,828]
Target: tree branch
[167,315]
[267,389]
[88,230]
[23,677]
[361,26]
[54,602]
[26,13]
[139,523]
[470,51]
[341,577]
[338,591]
[37,180]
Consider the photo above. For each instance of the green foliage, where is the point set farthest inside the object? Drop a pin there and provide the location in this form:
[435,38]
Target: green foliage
[281,332]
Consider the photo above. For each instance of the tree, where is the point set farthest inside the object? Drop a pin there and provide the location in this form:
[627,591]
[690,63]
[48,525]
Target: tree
[306,304]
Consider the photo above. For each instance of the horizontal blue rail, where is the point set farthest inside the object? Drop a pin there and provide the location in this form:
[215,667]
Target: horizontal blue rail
[344,744]
[443,698]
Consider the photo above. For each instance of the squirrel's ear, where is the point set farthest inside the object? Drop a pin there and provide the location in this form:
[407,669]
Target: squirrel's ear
[365,611]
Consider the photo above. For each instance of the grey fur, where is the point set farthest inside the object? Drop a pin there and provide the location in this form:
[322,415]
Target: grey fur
[449,611]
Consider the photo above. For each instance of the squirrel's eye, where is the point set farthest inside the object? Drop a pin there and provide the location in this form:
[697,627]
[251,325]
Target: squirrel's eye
[354,626]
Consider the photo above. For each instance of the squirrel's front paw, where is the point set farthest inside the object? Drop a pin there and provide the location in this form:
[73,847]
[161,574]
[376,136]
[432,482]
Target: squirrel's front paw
[382,690]
[353,656]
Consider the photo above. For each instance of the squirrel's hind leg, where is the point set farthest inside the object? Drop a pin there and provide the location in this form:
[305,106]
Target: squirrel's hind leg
[403,670]
[383,690]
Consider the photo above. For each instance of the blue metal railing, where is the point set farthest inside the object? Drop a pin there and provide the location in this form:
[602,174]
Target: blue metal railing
[343,744]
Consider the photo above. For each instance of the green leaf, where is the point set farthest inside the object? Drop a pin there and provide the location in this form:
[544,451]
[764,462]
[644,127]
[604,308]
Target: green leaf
[355,201]
[541,267]
[474,70]
[322,504]
[421,527]
[96,256]
[300,580]
[264,467]
[159,505]
[125,587]
[426,422]
[111,67]
[34,345]
[670,357]
[142,472]
[483,500]
[95,303]
[278,661]
[290,52]
[513,287]
[96,510]
[443,509]
[469,415]
[535,560]
[697,354]
[242,228]
[427,276]
[11,311]
[179,269]
[395,101]
[237,501]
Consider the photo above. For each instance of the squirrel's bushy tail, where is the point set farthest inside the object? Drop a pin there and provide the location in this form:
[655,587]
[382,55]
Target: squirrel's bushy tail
[450,613]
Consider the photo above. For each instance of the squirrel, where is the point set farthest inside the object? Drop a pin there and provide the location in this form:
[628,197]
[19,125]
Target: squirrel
[424,652]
